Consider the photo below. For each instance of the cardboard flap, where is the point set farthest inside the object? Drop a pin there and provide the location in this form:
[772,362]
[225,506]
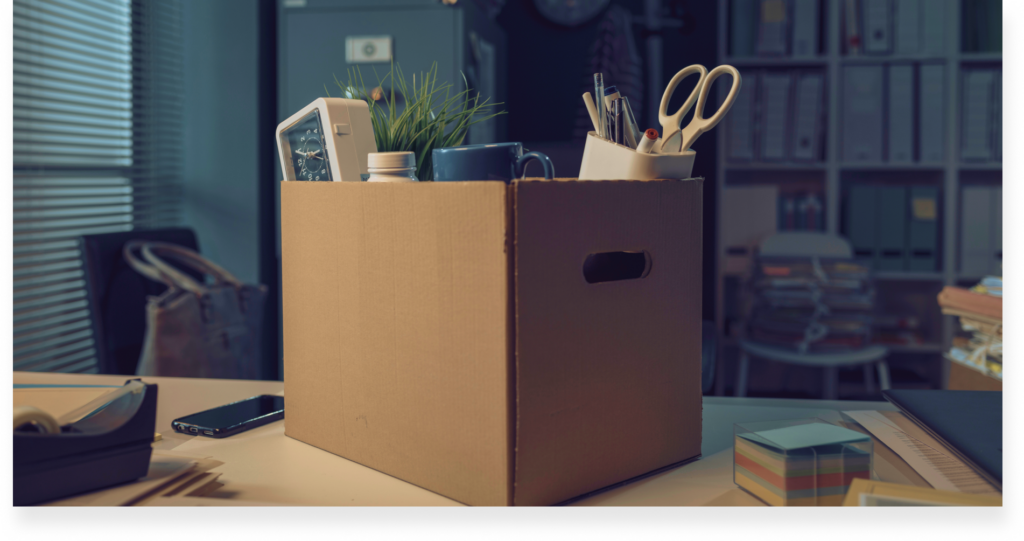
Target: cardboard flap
[608,373]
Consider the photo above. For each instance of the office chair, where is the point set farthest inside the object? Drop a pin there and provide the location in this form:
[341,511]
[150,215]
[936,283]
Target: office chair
[117,294]
[801,244]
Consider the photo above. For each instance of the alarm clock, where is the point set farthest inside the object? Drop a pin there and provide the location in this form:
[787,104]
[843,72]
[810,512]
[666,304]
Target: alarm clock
[327,140]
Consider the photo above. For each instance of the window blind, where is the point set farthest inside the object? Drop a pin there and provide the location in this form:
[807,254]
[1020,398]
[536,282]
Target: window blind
[89,155]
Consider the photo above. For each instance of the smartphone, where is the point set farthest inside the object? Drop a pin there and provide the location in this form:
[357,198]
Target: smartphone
[230,419]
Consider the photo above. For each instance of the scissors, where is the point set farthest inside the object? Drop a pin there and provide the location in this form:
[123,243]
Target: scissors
[671,124]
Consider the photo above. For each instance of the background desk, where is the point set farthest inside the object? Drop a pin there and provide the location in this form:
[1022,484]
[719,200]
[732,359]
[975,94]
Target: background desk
[264,465]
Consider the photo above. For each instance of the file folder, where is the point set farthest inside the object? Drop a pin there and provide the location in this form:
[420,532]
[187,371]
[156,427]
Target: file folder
[740,122]
[860,222]
[997,118]
[805,28]
[933,27]
[932,114]
[743,16]
[775,94]
[772,31]
[976,232]
[862,113]
[877,26]
[978,96]
[996,243]
[907,36]
[891,229]
[923,238]
[807,129]
[901,114]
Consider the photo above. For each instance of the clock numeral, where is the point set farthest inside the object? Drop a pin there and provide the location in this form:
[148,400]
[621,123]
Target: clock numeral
[314,131]
[302,138]
[307,131]
[318,177]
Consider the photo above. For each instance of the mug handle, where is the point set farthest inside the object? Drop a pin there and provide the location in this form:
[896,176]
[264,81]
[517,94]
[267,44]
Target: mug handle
[549,168]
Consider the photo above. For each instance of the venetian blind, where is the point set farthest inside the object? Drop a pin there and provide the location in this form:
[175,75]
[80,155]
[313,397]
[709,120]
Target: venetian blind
[89,155]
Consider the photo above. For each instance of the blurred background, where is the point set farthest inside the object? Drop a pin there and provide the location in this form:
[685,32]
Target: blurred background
[874,125]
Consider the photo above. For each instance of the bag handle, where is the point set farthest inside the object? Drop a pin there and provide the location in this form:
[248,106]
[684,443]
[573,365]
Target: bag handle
[158,269]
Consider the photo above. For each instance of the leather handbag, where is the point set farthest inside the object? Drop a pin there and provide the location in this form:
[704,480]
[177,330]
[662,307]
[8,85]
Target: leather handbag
[195,329]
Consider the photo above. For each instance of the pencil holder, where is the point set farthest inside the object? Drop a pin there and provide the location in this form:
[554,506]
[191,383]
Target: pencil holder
[605,160]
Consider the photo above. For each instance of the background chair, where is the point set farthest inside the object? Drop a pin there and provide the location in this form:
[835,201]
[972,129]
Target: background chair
[810,245]
[117,294]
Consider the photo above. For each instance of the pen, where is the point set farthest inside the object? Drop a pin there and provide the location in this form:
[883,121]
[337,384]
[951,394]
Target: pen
[619,123]
[602,131]
[647,141]
[588,100]
[633,135]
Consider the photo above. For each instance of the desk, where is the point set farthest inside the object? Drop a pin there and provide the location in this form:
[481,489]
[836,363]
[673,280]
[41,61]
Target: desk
[266,466]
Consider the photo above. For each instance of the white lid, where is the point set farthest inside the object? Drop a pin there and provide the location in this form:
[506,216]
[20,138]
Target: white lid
[391,160]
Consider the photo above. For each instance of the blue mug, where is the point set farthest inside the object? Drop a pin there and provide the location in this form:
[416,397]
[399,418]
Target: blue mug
[496,161]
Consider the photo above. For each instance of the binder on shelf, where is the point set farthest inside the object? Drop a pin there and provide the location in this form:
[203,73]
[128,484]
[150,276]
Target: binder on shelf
[753,218]
[932,113]
[976,232]
[743,19]
[807,132]
[933,28]
[775,106]
[740,123]
[787,212]
[853,39]
[860,221]
[891,228]
[907,33]
[805,28]
[978,96]
[862,113]
[923,230]
[877,26]
[901,113]
[997,117]
[773,27]
[994,33]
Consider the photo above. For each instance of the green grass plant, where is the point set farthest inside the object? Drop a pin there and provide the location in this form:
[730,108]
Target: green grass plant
[420,116]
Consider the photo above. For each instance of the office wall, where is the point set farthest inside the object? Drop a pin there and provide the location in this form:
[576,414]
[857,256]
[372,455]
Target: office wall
[221,131]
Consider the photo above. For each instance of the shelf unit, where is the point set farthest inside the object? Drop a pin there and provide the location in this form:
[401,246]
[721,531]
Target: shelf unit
[946,175]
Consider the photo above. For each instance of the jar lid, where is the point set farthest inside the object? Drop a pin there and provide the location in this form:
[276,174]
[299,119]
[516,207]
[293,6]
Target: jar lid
[391,160]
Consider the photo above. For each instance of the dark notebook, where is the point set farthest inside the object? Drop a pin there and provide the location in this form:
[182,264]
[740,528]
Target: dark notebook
[969,422]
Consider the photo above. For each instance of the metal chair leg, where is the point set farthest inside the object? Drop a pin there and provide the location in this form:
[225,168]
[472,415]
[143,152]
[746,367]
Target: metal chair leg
[831,382]
[741,374]
[883,375]
[869,378]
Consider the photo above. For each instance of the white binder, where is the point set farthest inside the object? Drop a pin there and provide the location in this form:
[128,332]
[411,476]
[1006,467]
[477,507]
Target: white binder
[977,110]
[740,121]
[933,27]
[862,113]
[877,26]
[907,36]
[901,113]
[775,93]
[807,128]
[932,114]
[805,28]
[997,118]
[771,34]
[981,231]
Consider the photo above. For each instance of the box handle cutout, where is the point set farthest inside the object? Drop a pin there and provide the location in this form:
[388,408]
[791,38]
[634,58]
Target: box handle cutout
[615,266]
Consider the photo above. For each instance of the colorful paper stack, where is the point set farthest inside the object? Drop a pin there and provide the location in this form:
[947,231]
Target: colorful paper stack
[803,464]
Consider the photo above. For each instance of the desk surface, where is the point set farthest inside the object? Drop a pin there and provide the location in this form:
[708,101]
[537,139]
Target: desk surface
[264,465]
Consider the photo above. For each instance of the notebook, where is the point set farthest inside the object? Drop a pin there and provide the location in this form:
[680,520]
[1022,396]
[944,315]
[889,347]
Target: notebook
[970,423]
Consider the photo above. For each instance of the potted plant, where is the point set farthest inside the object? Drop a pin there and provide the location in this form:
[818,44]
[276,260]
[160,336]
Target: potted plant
[418,117]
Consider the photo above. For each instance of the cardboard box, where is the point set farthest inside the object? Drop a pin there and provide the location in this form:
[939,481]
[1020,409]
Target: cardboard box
[445,333]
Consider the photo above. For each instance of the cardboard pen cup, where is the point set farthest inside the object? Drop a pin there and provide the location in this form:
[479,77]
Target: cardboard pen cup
[605,160]
[498,344]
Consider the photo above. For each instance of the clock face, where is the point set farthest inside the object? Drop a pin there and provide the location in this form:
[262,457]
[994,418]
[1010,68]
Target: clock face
[305,142]
[570,12]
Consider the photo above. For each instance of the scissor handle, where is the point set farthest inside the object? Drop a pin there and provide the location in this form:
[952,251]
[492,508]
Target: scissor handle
[670,124]
[699,124]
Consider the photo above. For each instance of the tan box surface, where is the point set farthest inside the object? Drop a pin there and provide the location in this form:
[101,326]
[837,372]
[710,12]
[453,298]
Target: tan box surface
[444,332]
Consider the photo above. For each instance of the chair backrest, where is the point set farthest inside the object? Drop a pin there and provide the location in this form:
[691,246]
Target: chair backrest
[806,244]
[117,294]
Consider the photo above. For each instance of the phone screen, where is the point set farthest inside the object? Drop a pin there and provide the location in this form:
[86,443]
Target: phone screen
[237,413]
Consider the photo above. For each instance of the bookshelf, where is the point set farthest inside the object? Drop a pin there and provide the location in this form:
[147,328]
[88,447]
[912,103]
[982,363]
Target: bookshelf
[834,174]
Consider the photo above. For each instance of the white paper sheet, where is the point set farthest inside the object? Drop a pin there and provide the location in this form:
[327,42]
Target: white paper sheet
[941,470]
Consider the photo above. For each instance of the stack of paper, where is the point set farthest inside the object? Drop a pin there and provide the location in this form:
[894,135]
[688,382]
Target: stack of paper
[806,465]
[981,314]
